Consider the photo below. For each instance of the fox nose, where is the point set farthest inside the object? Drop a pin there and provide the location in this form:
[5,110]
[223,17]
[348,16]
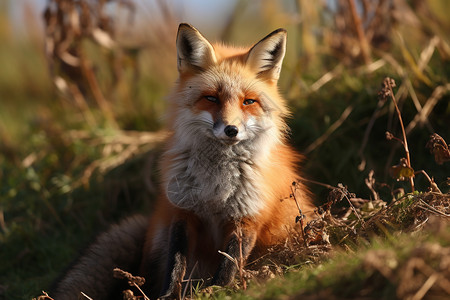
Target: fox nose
[231,131]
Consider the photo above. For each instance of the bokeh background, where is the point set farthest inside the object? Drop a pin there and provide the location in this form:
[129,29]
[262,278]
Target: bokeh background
[82,102]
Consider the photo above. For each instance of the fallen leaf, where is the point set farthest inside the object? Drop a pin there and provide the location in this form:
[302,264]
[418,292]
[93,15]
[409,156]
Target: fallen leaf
[402,171]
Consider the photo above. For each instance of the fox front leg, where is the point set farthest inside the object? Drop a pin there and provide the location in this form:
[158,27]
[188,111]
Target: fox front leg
[176,262]
[239,244]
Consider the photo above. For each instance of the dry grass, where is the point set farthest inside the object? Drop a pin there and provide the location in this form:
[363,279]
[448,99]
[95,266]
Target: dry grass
[424,270]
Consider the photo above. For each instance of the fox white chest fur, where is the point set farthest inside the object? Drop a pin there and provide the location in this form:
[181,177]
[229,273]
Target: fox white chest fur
[216,181]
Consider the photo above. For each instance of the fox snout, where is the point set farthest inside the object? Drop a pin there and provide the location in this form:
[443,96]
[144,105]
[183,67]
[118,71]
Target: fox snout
[229,134]
[231,131]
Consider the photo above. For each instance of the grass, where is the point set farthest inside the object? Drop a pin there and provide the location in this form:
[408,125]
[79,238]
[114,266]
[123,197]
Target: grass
[374,271]
[384,268]
[394,265]
[66,172]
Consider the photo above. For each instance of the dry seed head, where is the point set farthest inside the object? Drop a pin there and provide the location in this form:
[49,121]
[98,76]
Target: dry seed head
[384,94]
[439,148]
[386,90]
[389,136]
[403,162]
[389,83]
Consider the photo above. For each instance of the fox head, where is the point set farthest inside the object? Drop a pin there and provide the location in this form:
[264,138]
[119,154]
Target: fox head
[228,94]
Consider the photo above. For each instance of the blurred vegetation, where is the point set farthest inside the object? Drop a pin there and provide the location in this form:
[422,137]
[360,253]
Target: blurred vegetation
[81,121]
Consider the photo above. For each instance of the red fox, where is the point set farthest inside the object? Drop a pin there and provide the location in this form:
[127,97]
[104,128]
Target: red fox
[227,173]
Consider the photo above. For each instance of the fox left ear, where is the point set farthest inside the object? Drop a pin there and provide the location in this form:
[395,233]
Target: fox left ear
[266,56]
[194,52]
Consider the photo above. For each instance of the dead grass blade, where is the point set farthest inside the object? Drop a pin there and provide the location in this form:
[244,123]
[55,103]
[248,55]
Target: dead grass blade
[330,130]
[422,116]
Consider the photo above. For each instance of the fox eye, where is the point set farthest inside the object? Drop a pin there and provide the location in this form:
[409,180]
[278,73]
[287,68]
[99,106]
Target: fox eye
[212,99]
[249,101]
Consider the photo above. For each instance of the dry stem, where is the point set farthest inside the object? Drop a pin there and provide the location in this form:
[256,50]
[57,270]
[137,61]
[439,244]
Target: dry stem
[293,190]
[389,84]
[433,185]
[189,280]
[135,281]
[241,260]
[365,50]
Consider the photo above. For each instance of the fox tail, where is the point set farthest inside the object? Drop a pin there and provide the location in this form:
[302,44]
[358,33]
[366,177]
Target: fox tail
[92,273]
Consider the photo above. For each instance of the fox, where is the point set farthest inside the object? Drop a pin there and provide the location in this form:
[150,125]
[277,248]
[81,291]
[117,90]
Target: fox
[227,173]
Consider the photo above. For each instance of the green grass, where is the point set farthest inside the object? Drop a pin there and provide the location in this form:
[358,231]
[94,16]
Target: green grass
[353,274]
[50,209]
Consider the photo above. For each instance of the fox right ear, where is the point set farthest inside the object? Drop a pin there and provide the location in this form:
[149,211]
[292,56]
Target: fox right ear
[267,55]
[194,52]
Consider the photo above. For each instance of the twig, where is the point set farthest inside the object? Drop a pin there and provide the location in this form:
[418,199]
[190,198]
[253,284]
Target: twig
[427,53]
[86,296]
[241,259]
[390,83]
[354,209]
[432,209]
[369,127]
[132,143]
[370,182]
[301,216]
[374,218]
[142,292]
[80,101]
[433,184]
[326,78]
[234,260]
[426,286]
[365,50]
[135,281]
[422,115]
[189,280]
[334,188]
[45,296]
[330,130]
[97,92]
[319,183]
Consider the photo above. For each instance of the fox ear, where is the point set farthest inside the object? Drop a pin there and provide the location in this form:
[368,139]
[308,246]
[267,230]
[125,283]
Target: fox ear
[266,56]
[194,52]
